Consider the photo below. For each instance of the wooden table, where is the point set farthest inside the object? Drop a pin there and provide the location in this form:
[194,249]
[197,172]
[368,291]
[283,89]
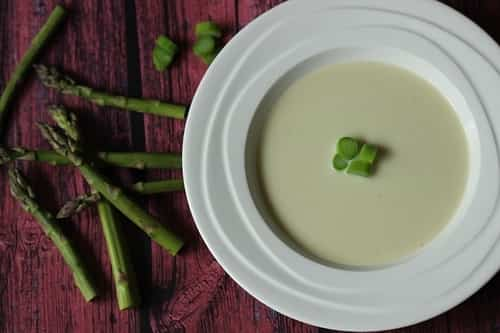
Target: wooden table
[108,44]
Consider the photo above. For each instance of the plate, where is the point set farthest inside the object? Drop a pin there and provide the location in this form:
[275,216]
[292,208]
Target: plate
[289,41]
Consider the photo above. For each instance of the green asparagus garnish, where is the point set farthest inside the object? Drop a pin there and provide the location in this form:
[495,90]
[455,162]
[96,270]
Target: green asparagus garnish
[348,148]
[83,201]
[339,163]
[47,30]
[136,160]
[52,78]
[359,168]
[24,194]
[115,195]
[121,265]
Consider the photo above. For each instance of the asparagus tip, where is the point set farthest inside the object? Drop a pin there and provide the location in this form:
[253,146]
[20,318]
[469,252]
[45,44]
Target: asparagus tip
[5,157]
[20,188]
[52,78]
[61,142]
[78,204]
[66,120]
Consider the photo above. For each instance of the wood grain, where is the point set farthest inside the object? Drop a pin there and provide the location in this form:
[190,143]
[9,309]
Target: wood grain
[108,44]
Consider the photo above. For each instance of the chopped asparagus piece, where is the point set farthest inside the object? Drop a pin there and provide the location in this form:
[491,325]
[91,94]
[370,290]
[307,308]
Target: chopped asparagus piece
[208,28]
[359,168]
[339,163]
[368,153]
[348,148]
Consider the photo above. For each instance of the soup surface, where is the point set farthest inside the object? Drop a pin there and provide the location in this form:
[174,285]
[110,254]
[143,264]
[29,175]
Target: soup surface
[344,219]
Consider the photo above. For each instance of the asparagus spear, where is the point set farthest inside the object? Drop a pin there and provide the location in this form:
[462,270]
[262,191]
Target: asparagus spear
[84,201]
[52,78]
[68,148]
[48,29]
[160,186]
[24,194]
[121,266]
[123,274]
[136,160]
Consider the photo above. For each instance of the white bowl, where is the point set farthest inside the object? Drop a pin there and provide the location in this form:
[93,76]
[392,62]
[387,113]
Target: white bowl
[425,37]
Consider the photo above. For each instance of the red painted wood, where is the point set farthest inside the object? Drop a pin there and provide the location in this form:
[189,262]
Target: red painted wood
[108,44]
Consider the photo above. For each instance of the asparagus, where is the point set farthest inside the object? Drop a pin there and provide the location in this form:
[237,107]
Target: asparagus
[52,78]
[84,201]
[136,160]
[47,30]
[24,194]
[78,204]
[141,160]
[66,120]
[160,186]
[115,195]
[121,266]
[123,274]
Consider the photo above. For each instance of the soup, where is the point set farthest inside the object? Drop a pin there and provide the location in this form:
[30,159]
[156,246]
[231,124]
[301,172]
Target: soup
[419,179]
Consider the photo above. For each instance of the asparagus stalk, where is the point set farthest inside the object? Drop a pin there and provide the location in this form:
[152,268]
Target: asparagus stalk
[52,78]
[135,160]
[160,186]
[24,194]
[121,266]
[84,201]
[123,274]
[47,30]
[141,160]
[115,195]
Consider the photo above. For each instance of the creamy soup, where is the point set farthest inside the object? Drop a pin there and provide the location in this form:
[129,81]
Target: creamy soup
[418,182]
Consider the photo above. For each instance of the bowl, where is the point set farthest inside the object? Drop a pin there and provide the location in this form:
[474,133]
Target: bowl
[224,125]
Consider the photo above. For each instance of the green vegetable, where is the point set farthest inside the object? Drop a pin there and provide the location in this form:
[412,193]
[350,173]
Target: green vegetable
[67,121]
[141,160]
[368,153]
[38,42]
[52,78]
[209,29]
[81,274]
[121,265]
[158,186]
[339,163]
[204,46]
[164,53]
[359,168]
[65,146]
[136,160]
[78,204]
[123,274]
[208,58]
[82,202]
[348,148]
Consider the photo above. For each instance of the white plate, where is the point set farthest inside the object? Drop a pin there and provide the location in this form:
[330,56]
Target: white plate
[297,37]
